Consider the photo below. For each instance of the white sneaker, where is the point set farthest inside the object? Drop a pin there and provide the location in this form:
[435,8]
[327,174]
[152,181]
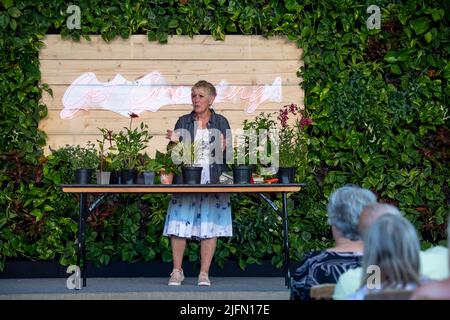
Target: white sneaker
[176,277]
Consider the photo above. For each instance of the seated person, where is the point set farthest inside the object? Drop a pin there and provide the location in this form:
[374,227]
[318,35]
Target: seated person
[433,262]
[392,247]
[435,290]
[344,207]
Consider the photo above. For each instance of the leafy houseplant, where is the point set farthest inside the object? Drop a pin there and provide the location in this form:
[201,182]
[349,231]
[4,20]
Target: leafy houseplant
[165,166]
[105,156]
[129,142]
[292,144]
[188,155]
[84,160]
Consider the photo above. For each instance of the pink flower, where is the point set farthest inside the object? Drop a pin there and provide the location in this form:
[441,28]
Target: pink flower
[304,122]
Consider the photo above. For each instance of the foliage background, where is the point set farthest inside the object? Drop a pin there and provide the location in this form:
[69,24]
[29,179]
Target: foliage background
[379,100]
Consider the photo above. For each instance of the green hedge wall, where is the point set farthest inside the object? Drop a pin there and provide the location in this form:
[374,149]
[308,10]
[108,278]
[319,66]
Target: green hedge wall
[379,100]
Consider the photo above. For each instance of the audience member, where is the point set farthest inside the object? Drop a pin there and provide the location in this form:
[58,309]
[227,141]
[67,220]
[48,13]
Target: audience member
[433,262]
[344,208]
[391,256]
[435,290]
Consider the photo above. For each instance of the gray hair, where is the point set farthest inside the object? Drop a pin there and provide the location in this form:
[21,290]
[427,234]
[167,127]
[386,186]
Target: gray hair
[206,85]
[344,208]
[392,244]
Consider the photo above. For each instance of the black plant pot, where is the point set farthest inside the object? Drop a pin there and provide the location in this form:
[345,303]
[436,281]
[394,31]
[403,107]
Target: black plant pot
[242,174]
[115,177]
[128,176]
[286,175]
[178,179]
[83,176]
[192,175]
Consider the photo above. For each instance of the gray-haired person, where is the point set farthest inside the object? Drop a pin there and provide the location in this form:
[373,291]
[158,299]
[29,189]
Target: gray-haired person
[432,261]
[344,208]
[391,255]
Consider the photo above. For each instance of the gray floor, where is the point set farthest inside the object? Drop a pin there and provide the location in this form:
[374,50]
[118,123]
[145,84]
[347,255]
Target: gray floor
[230,288]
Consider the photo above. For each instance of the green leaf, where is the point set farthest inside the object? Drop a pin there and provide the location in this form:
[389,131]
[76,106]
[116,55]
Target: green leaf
[7,3]
[428,37]
[173,23]
[14,12]
[4,20]
[395,69]
[420,25]
[13,24]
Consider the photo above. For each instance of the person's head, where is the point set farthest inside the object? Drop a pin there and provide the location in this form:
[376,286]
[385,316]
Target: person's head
[392,244]
[372,212]
[344,208]
[203,94]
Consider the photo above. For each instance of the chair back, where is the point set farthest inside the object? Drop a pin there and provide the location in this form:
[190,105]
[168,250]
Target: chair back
[389,294]
[322,291]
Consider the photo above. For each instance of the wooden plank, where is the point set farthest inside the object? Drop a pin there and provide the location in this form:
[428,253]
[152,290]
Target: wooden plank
[181,189]
[174,72]
[158,122]
[290,94]
[201,47]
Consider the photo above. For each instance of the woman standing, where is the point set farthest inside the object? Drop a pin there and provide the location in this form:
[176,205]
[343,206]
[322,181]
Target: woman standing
[197,216]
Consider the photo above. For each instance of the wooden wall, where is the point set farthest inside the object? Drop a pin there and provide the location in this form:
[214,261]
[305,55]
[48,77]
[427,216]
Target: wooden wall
[240,60]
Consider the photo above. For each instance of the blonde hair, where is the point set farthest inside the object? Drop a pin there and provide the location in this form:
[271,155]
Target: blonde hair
[392,244]
[207,85]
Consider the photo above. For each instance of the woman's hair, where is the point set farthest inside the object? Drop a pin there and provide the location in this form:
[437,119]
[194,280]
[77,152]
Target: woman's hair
[391,244]
[345,206]
[207,85]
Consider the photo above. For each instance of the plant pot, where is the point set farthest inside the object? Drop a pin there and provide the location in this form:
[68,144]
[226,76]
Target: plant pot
[166,178]
[177,179]
[149,177]
[242,174]
[286,175]
[192,175]
[115,177]
[83,176]
[128,176]
[103,177]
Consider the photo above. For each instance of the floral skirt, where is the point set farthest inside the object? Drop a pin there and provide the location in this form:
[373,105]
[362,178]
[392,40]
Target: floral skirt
[199,216]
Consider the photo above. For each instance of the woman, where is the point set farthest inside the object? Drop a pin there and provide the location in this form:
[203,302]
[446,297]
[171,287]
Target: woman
[344,208]
[391,256]
[200,216]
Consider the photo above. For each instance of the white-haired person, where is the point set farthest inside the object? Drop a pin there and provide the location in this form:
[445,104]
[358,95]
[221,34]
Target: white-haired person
[343,209]
[433,262]
[391,256]
[435,290]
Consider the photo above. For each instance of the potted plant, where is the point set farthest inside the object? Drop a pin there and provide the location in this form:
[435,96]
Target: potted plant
[292,146]
[188,155]
[165,166]
[84,160]
[129,142]
[147,167]
[244,158]
[105,156]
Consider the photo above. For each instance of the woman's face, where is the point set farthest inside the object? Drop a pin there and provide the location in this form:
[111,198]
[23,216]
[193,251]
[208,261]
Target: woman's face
[201,99]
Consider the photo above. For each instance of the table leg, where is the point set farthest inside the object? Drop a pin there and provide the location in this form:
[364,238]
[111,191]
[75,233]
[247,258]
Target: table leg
[81,253]
[287,272]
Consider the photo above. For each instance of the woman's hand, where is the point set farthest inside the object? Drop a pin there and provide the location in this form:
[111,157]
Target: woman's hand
[172,136]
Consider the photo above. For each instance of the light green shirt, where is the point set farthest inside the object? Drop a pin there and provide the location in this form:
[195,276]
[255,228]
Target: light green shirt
[434,265]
